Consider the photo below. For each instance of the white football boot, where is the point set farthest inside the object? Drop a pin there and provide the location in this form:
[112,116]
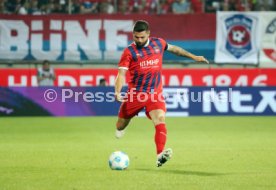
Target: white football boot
[119,133]
[163,157]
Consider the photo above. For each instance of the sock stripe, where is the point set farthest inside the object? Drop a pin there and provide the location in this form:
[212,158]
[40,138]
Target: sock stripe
[162,133]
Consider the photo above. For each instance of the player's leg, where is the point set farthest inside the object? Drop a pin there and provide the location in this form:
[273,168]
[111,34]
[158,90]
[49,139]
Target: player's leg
[156,109]
[122,123]
[120,126]
[127,111]
[158,118]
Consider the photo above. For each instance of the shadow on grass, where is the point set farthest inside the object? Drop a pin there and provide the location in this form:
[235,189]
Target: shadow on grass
[182,172]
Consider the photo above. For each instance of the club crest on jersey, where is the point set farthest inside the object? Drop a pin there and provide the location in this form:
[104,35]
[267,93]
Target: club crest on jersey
[239,29]
[270,36]
[156,49]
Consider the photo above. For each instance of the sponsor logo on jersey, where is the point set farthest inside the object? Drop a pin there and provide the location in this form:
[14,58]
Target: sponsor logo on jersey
[149,63]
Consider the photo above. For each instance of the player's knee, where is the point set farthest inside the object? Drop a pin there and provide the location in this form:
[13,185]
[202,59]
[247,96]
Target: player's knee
[160,119]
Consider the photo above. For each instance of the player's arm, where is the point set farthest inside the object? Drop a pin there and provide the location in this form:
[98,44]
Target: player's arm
[119,82]
[181,52]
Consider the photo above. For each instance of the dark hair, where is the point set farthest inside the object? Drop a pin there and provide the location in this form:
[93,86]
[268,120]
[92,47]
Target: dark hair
[141,25]
[102,80]
[45,62]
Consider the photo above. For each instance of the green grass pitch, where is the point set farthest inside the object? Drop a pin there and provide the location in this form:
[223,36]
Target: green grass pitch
[46,153]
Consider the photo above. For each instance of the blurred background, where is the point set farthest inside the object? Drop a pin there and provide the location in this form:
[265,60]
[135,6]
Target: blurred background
[59,58]
[78,43]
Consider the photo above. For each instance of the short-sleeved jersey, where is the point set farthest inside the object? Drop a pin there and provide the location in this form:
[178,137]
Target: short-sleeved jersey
[144,65]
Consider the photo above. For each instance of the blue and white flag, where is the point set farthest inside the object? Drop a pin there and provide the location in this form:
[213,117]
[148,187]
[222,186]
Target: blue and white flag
[237,38]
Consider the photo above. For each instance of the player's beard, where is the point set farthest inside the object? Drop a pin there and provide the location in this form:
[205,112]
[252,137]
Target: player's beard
[140,45]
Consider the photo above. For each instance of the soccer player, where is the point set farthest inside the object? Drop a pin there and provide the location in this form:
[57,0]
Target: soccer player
[143,60]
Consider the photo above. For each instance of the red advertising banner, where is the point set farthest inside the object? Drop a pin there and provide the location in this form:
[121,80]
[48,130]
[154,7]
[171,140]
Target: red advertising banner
[171,77]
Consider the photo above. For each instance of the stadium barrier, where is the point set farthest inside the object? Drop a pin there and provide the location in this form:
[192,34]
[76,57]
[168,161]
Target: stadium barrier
[99,101]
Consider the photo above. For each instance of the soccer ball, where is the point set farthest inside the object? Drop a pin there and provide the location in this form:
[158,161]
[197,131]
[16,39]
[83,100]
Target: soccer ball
[118,161]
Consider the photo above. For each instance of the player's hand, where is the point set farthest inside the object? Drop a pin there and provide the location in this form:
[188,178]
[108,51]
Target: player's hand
[119,98]
[201,59]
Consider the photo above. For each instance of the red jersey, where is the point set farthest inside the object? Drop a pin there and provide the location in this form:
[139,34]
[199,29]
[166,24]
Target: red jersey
[144,65]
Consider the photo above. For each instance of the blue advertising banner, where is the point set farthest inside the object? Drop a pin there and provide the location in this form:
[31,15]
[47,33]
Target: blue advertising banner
[200,101]
[100,101]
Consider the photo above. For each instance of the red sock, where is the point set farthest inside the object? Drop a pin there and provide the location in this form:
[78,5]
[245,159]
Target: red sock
[160,137]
